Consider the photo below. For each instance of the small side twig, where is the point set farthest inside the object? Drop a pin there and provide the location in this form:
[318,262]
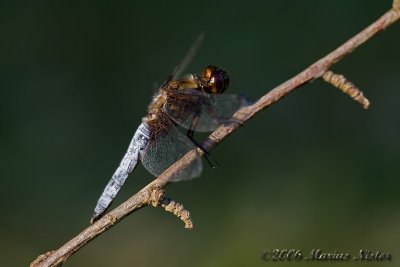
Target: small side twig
[158,198]
[347,87]
[178,210]
[143,197]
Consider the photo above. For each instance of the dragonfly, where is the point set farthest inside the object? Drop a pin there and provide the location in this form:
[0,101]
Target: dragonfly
[195,103]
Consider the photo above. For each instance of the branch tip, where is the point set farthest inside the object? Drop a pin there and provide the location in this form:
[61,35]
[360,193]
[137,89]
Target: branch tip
[347,87]
[396,5]
[40,259]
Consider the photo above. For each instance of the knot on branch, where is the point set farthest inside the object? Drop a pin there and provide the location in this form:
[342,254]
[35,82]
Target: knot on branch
[347,87]
[156,196]
[112,219]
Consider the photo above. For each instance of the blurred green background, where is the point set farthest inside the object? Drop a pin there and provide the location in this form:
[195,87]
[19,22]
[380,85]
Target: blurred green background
[313,171]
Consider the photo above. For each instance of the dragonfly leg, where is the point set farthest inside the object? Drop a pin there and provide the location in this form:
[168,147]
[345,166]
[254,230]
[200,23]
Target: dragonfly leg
[207,155]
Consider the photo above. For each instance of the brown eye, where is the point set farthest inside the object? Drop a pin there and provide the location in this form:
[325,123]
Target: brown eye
[217,80]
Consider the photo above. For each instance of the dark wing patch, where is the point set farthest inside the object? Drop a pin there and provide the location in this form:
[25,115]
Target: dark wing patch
[202,112]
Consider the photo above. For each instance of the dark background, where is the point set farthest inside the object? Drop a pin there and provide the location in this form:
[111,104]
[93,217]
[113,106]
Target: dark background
[313,171]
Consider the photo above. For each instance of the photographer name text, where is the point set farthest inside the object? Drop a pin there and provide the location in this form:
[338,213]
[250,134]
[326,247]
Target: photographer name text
[319,255]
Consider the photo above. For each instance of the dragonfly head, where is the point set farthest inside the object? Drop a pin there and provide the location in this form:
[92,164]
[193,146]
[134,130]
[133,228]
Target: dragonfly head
[217,80]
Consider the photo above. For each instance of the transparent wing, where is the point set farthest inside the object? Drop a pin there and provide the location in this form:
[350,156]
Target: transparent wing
[167,146]
[185,61]
[202,112]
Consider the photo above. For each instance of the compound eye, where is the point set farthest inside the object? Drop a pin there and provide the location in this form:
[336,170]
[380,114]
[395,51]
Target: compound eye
[217,80]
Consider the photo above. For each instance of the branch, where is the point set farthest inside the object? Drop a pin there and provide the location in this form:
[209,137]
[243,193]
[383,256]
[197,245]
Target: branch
[153,193]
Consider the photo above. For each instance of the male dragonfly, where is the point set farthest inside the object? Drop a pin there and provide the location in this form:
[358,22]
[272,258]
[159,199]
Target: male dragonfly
[196,103]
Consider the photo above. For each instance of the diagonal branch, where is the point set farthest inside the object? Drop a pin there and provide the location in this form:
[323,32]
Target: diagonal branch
[153,192]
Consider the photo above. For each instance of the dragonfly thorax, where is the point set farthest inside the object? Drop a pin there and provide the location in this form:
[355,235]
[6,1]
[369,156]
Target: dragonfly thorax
[213,80]
[155,106]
